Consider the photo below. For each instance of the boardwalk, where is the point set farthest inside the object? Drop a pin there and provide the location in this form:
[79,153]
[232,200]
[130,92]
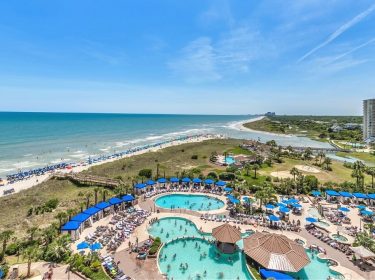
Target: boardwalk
[90,180]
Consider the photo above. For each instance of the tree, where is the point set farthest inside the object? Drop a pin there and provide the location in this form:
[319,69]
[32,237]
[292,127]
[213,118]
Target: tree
[321,156]
[294,171]
[88,195]
[104,194]
[96,190]
[307,154]
[70,213]
[327,161]
[30,254]
[61,216]
[147,173]
[371,171]
[5,237]
[266,194]
[32,231]
[247,168]
[255,168]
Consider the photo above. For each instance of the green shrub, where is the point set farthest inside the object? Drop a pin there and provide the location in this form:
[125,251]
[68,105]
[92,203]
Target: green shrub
[227,176]
[52,203]
[155,246]
[87,272]
[194,157]
[12,249]
[145,173]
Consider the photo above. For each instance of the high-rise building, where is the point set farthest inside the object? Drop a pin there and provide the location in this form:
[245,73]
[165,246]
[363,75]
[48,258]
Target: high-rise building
[369,120]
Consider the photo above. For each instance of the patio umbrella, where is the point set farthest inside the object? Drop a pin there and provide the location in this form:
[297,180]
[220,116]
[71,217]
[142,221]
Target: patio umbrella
[311,220]
[227,189]
[162,180]
[270,206]
[344,209]
[361,207]
[95,246]
[150,182]
[174,180]
[83,245]
[296,205]
[186,180]
[293,200]
[366,212]
[284,210]
[220,183]
[280,204]
[274,218]
[208,181]
[197,181]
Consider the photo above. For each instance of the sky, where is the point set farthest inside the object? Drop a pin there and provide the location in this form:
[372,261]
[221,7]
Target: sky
[190,57]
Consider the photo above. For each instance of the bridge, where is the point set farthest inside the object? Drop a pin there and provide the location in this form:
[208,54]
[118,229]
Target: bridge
[334,149]
[90,180]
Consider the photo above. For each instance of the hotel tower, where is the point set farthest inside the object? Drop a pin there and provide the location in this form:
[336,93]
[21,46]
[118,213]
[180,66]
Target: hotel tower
[369,120]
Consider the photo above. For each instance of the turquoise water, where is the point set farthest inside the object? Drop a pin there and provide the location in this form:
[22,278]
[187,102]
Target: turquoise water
[30,140]
[190,202]
[203,259]
[318,269]
[339,237]
[174,227]
[229,160]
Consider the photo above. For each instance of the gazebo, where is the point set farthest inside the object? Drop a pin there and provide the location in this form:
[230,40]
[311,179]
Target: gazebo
[226,236]
[275,252]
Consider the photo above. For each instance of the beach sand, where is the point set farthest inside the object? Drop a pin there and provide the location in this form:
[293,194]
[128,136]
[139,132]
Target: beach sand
[240,126]
[35,180]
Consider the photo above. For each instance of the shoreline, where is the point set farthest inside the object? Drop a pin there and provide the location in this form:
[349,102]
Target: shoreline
[38,179]
[241,126]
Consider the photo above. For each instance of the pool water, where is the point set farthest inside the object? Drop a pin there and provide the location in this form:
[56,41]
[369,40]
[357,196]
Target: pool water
[322,224]
[190,202]
[314,213]
[229,160]
[203,259]
[171,228]
[339,237]
[318,269]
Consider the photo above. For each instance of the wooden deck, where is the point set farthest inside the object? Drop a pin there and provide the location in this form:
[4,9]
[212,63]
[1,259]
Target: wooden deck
[90,180]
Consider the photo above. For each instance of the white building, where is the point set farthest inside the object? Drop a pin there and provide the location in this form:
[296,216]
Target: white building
[369,120]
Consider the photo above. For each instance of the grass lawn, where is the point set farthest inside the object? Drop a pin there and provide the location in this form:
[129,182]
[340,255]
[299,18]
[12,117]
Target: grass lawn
[367,157]
[172,159]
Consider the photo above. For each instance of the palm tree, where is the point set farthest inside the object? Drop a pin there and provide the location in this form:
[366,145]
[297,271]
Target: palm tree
[157,170]
[371,171]
[5,237]
[321,156]
[32,231]
[294,171]
[255,168]
[247,168]
[61,216]
[96,190]
[104,194]
[327,161]
[71,212]
[88,195]
[31,254]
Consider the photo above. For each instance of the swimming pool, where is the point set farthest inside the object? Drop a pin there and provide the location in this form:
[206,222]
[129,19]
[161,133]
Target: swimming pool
[322,224]
[314,213]
[189,201]
[316,270]
[229,160]
[339,238]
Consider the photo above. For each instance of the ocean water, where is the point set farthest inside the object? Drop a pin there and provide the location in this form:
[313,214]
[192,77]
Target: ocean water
[30,140]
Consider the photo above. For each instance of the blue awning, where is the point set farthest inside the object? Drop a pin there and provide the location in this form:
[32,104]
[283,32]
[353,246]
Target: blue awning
[360,195]
[332,193]
[128,198]
[228,189]
[186,180]
[371,195]
[162,180]
[209,181]
[270,206]
[266,274]
[197,181]
[150,182]
[174,180]
[346,194]
[91,211]
[274,218]
[220,183]
[102,205]
[71,225]
[284,209]
[140,186]
[81,217]
[115,200]
[316,193]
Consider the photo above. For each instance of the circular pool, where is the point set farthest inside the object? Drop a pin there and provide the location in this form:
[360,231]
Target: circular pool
[189,202]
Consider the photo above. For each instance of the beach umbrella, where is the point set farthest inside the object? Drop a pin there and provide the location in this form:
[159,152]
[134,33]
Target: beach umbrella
[227,189]
[274,218]
[366,212]
[296,205]
[280,204]
[270,206]
[284,209]
[150,182]
[292,200]
[344,209]
[174,180]
[361,207]
[197,181]
[186,180]
[311,220]
[316,193]
[220,183]
[162,180]
[209,181]
[83,245]
[95,246]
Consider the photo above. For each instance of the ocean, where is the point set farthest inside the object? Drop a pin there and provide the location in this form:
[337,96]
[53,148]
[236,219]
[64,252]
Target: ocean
[30,140]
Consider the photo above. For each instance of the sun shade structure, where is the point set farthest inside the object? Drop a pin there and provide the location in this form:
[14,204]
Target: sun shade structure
[366,212]
[371,195]
[150,182]
[102,205]
[115,200]
[197,181]
[360,195]
[162,180]
[227,189]
[208,181]
[270,274]
[72,225]
[226,234]
[344,209]
[81,217]
[140,186]
[128,198]
[233,200]
[91,211]
[332,193]
[220,183]
[83,245]
[276,252]
[186,180]
[316,193]
[362,252]
[346,194]
[284,210]
[311,220]
[273,218]
[174,180]
[270,206]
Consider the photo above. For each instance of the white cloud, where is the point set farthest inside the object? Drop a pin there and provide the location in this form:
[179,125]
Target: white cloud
[358,18]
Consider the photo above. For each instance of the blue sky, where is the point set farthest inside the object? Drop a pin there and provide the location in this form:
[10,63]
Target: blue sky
[196,56]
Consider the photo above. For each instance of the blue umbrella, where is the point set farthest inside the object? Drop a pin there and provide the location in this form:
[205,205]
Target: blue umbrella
[208,181]
[344,209]
[162,180]
[227,189]
[150,182]
[96,246]
[280,204]
[270,206]
[186,180]
[293,200]
[296,205]
[366,212]
[274,218]
[284,209]
[197,181]
[361,207]
[220,183]
[316,193]
[311,220]
[83,245]
[174,180]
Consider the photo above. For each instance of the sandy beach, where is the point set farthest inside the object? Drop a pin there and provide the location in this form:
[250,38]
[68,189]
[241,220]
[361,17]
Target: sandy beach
[35,180]
[240,126]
